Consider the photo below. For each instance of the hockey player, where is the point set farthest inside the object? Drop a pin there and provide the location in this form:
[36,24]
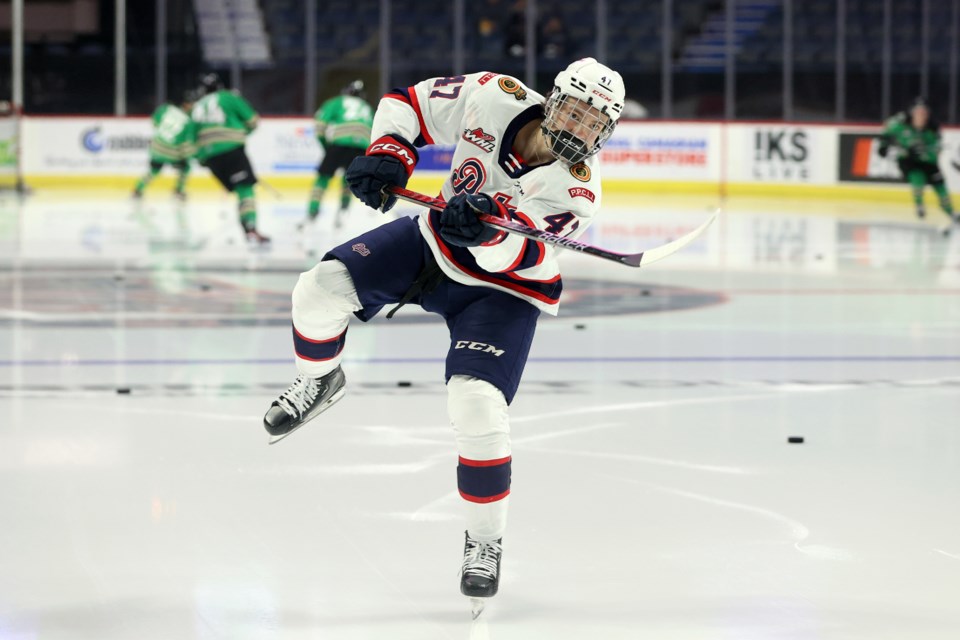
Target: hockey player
[343,131]
[172,143]
[917,138]
[222,120]
[518,157]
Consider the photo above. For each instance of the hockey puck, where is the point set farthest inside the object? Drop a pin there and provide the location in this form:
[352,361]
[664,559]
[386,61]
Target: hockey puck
[795,439]
[118,277]
[123,391]
[645,292]
[204,287]
[579,326]
[404,383]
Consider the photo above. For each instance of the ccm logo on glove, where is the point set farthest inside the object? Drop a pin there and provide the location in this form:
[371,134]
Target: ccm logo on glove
[388,146]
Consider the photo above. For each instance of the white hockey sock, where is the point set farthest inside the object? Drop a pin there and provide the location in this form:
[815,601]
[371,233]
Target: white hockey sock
[478,413]
[323,300]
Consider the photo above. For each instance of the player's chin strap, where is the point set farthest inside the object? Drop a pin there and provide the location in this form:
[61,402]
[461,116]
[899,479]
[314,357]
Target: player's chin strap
[539,235]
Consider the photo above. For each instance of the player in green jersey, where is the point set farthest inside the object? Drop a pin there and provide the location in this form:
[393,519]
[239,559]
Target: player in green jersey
[222,120]
[172,143]
[343,130]
[917,138]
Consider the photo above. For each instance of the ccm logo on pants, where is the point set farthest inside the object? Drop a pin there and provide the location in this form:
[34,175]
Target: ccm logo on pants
[479,346]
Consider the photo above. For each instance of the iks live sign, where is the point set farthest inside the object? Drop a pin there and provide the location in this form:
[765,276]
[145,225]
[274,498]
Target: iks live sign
[780,154]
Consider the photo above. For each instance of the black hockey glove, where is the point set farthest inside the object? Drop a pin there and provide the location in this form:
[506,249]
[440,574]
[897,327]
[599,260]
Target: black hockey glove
[460,226]
[389,162]
[885,143]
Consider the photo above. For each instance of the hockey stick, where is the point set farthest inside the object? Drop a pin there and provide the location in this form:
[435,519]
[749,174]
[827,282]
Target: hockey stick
[629,259]
[272,189]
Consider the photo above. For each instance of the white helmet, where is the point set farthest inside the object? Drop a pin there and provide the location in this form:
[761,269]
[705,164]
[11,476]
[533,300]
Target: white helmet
[582,110]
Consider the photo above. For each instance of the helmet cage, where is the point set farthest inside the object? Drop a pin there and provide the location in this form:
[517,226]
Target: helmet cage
[576,141]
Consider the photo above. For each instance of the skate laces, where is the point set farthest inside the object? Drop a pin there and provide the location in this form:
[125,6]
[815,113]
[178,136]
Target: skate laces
[299,396]
[480,557]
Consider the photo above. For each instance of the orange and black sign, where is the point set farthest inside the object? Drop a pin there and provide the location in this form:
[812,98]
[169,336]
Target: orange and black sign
[860,160]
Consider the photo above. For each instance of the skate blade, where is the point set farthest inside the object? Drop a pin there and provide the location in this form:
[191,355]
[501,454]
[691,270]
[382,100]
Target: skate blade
[326,405]
[476,606]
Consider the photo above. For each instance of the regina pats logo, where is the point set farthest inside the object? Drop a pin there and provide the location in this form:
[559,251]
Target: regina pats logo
[511,86]
[480,138]
[581,172]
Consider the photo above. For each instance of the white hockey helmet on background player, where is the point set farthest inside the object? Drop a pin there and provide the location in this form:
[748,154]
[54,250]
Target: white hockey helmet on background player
[582,110]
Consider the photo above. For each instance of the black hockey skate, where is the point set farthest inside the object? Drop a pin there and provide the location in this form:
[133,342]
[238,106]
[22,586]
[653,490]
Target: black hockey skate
[305,399]
[480,575]
[951,227]
[255,238]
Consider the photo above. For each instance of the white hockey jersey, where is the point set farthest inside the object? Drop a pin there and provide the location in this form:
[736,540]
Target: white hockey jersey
[481,114]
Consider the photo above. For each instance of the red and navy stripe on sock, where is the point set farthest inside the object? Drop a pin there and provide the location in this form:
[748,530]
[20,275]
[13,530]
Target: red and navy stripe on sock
[484,481]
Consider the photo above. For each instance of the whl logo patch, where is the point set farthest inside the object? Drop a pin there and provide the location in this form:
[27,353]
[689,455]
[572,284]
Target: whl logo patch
[480,138]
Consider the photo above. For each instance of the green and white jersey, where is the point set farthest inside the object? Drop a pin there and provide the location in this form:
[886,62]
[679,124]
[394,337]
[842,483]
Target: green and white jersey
[923,144]
[222,121]
[345,121]
[173,135]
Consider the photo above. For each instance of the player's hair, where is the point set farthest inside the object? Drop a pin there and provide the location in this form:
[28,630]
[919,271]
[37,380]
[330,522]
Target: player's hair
[583,89]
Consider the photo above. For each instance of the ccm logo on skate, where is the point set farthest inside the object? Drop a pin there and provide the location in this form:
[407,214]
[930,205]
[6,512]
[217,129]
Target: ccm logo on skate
[479,346]
[394,150]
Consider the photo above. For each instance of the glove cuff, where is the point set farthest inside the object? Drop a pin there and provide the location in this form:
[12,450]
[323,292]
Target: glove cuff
[397,147]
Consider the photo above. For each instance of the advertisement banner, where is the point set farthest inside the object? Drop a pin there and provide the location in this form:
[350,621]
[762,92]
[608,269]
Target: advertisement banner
[8,148]
[435,158]
[860,159]
[120,146]
[655,151]
[780,154]
[284,146]
[950,159]
[86,146]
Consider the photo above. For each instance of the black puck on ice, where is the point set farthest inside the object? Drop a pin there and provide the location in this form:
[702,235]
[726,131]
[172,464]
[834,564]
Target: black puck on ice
[204,287]
[645,292]
[404,383]
[124,391]
[579,326]
[795,439]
